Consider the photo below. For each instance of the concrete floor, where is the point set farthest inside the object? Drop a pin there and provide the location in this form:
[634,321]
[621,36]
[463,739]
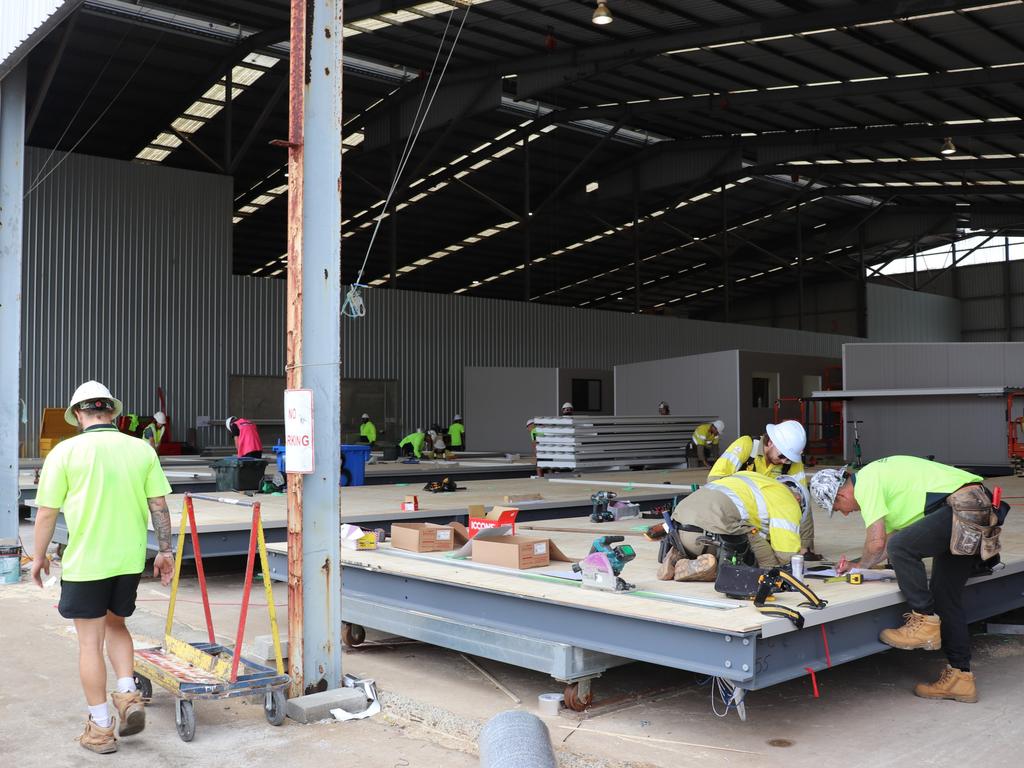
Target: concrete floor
[435,702]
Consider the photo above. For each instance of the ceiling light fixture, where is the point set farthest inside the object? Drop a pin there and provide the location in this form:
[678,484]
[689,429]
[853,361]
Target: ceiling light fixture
[948,147]
[601,13]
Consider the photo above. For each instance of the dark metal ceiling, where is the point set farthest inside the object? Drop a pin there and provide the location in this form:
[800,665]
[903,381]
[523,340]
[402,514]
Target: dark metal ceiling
[820,120]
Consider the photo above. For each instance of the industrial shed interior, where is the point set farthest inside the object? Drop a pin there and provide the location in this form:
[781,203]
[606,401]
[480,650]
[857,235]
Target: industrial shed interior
[534,265]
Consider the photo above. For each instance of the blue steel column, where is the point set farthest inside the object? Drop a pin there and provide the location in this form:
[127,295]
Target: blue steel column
[314,340]
[12,182]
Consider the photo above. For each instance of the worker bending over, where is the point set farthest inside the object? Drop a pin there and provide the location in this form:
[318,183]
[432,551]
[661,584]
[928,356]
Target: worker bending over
[457,433]
[247,438]
[777,452]
[757,518]
[154,433]
[367,430]
[705,441]
[914,508]
[412,445]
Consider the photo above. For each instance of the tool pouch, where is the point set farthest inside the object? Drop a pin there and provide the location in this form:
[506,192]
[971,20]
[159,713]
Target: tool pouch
[972,521]
[990,546]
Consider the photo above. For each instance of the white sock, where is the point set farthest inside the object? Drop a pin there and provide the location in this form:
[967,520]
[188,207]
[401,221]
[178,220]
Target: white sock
[126,685]
[100,715]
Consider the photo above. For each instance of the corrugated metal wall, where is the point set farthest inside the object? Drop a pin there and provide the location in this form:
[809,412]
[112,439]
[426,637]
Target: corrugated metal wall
[127,279]
[985,292]
[895,314]
[21,20]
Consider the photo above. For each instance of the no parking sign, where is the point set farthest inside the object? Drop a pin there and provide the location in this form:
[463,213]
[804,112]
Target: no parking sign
[298,431]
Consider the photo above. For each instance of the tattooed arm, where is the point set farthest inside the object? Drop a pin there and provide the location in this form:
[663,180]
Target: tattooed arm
[163,564]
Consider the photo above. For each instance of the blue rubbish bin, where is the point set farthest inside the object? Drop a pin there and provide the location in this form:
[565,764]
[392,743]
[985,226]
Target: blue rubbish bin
[353,464]
[279,452]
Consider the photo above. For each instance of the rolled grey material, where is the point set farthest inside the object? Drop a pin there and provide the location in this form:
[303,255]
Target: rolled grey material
[516,739]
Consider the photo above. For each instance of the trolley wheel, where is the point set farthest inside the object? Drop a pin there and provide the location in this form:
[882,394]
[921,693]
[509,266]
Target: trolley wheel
[274,706]
[145,686]
[352,634]
[575,701]
[185,719]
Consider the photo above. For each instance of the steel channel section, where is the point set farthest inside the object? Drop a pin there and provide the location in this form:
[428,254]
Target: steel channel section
[572,643]
[321,338]
[12,180]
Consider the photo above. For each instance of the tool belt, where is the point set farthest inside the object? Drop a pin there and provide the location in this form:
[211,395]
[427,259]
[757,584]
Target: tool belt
[742,582]
[976,523]
[447,485]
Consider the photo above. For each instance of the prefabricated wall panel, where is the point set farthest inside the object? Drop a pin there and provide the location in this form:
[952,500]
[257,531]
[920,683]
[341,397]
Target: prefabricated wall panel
[500,400]
[605,376]
[789,370]
[956,430]
[695,384]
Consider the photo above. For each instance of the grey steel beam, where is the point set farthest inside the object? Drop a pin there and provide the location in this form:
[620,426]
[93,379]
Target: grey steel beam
[969,190]
[314,337]
[12,182]
[257,126]
[736,103]
[873,169]
[51,70]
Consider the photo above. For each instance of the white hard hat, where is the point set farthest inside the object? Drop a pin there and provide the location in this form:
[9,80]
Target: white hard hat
[663,404]
[566,405]
[365,416]
[227,422]
[420,430]
[718,424]
[160,417]
[90,390]
[789,437]
[458,417]
[825,484]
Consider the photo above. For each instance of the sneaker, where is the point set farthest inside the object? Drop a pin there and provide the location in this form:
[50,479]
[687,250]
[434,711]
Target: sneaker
[919,631]
[952,684]
[703,568]
[131,712]
[98,739]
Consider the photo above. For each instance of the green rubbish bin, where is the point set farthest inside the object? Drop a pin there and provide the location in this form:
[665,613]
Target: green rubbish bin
[236,473]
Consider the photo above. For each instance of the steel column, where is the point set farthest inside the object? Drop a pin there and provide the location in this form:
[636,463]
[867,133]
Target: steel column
[862,288]
[12,182]
[725,257]
[636,245]
[314,303]
[1007,300]
[527,214]
[799,270]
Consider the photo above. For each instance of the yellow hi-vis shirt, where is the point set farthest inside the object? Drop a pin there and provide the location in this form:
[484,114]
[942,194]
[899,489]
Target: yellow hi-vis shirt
[369,431]
[153,433]
[101,480]
[702,435]
[456,430]
[766,505]
[416,440]
[739,454]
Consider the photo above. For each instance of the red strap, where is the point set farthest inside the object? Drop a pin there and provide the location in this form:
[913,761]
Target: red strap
[824,639]
[814,681]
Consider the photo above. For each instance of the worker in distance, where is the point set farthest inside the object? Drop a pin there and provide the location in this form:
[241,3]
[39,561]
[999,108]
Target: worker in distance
[705,441]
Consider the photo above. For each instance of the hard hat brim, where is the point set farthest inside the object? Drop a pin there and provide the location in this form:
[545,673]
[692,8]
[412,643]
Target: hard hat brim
[69,413]
[773,430]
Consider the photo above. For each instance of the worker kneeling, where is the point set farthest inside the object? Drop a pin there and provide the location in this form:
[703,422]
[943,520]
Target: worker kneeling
[745,517]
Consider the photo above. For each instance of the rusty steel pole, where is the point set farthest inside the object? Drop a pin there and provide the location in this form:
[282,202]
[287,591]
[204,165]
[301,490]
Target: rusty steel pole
[314,305]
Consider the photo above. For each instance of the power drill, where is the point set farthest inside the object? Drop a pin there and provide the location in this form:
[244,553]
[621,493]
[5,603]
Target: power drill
[600,502]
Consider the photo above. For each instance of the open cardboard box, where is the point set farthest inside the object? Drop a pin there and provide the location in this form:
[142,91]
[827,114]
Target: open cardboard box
[496,547]
[480,518]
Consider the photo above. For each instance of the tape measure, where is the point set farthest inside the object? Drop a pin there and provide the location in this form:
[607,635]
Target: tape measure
[850,578]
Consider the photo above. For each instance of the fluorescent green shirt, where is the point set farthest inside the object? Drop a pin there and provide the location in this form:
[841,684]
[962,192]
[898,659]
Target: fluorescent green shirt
[896,489]
[702,435]
[153,433]
[456,430]
[101,480]
[369,431]
[416,441]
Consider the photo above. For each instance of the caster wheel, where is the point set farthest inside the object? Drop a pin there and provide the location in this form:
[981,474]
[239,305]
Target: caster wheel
[185,719]
[145,686]
[352,634]
[574,700]
[274,705]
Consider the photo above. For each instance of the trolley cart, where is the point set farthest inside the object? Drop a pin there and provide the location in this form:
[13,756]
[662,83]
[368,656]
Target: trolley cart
[209,670]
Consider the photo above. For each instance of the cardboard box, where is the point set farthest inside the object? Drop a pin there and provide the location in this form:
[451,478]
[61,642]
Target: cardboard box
[411,504]
[512,552]
[422,537]
[354,537]
[480,517]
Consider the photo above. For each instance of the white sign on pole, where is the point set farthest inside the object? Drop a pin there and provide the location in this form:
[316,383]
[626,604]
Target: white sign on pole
[298,431]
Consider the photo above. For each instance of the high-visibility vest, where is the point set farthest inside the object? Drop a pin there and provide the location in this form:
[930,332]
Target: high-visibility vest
[745,453]
[702,435]
[416,440]
[248,437]
[766,505]
[155,433]
[369,431]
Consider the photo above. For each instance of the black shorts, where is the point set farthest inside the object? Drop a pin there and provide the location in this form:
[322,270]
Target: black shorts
[92,599]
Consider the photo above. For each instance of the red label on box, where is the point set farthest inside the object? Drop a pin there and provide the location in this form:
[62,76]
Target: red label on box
[507,517]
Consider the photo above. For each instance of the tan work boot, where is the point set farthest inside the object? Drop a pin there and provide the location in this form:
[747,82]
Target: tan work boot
[131,712]
[97,739]
[953,684]
[919,631]
[667,567]
[703,568]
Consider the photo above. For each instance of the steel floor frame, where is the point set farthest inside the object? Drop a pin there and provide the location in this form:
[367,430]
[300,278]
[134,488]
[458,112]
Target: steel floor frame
[578,644]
